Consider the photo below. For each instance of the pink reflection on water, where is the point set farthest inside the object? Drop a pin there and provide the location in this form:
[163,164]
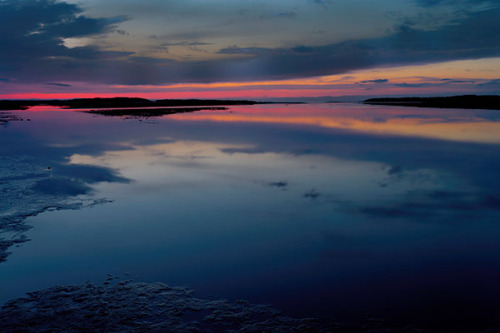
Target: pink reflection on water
[448,124]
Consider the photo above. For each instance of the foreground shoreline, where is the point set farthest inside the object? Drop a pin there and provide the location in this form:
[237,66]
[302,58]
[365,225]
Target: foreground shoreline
[127,306]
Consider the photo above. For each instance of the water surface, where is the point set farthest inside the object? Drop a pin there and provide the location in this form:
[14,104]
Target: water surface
[321,210]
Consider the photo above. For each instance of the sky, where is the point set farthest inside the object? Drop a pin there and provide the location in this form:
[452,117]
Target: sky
[256,49]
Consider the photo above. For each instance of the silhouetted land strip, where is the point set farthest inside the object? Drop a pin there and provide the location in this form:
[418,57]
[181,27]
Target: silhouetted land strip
[149,112]
[117,102]
[455,102]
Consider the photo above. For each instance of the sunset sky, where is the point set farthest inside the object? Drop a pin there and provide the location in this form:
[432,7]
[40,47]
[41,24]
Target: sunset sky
[254,49]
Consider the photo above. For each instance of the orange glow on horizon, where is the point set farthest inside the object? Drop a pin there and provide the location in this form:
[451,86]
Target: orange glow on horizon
[256,94]
[424,79]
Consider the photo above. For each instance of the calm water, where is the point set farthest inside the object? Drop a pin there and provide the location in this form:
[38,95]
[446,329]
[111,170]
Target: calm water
[320,210]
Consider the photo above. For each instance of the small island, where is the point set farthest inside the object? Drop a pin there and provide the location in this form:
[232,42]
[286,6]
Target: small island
[453,102]
[152,112]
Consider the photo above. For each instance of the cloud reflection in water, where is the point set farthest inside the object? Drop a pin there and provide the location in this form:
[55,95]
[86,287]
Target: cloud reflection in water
[290,211]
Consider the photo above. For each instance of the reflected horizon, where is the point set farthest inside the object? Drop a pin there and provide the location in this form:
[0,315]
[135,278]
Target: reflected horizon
[456,125]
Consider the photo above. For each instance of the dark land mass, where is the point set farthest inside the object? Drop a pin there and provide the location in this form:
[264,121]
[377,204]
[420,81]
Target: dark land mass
[149,112]
[454,102]
[117,102]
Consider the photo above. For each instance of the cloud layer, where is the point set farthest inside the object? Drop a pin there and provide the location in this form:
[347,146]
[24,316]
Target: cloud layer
[35,34]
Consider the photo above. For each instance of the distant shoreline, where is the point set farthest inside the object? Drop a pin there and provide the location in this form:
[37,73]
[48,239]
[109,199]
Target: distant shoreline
[118,102]
[491,102]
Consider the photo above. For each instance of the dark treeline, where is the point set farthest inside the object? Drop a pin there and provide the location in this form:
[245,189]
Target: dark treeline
[456,102]
[116,102]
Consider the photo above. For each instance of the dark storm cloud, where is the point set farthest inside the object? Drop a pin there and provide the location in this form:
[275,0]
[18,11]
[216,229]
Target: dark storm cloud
[32,33]
[475,37]
[41,25]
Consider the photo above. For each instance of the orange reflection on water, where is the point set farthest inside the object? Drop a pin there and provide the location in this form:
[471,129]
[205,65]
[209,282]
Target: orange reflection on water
[446,124]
